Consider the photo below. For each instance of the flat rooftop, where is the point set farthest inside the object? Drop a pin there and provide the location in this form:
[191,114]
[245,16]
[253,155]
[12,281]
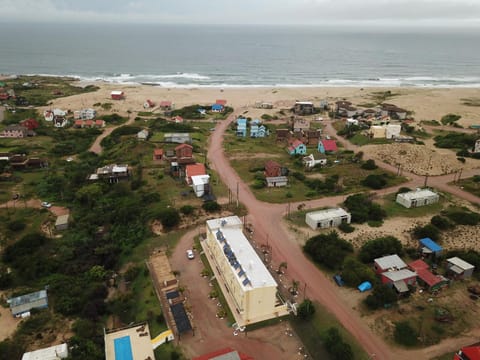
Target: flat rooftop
[327,214]
[417,194]
[129,343]
[250,263]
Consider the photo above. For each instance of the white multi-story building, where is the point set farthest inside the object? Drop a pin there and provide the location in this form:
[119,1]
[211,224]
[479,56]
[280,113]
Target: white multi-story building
[246,283]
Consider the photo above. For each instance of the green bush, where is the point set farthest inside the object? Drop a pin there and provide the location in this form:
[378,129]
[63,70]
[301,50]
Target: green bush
[369,165]
[425,231]
[336,346]
[441,222]
[169,217]
[328,249]
[405,334]
[346,228]
[211,206]
[363,209]
[379,247]
[381,295]
[374,181]
[464,217]
[187,209]
[16,225]
[450,119]
[306,309]
[355,272]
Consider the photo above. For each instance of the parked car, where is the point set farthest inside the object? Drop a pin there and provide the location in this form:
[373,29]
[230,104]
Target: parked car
[190,254]
[338,280]
[46,204]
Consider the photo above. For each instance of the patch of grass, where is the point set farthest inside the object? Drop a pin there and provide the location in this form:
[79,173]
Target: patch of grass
[367,105]
[360,140]
[310,332]
[471,101]
[471,185]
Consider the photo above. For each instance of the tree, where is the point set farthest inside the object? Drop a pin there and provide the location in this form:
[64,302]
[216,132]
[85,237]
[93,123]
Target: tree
[328,249]
[441,222]
[380,296]
[355,272]
[363,209]
[429,230]
[336,346]
[283,265]
[306,309]
[379,247]
[169,217]
[374,181]
[211,206]
[369,165]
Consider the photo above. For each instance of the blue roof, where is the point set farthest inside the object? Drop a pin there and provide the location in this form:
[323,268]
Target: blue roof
[217,107]
[242,121]
[431,245]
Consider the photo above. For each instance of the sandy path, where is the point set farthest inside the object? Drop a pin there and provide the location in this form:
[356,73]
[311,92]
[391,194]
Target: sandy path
[96,147]
[266,219]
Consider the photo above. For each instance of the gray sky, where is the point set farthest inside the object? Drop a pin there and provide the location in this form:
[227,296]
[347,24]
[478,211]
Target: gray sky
[315,12]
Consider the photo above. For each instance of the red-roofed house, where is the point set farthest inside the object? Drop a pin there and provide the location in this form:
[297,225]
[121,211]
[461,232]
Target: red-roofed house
[227,353]
[184,151]
[296,147]
[177,119]
[117,95]
[221,102]
[157,154]
[194,170]
[166,105]
[272,169]
[78,124]
[89,123]
[468,353]
[100,123]
[431,281]
[327,146]
[30,124]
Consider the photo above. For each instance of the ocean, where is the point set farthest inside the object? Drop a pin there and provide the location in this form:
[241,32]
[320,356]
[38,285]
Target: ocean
[254,56]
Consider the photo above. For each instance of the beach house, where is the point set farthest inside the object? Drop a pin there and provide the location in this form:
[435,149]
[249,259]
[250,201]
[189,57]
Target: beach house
[194,170]
[327,218]
[282,135]
[345,108]
[246,283]
[23,304]
[117,95]
[425,277]
[310,161]
[388,263]
[16,131]
[296,147]
[394,111]
[392,131]
[476,148]
[30,124]
[200,184]
[241,127]
[418,197]
[55,352]
[179,138]
[327,146]
[300,125]
[142,135]
[157,154]
[217,108]
[303,108]
[165,105]
[458,268]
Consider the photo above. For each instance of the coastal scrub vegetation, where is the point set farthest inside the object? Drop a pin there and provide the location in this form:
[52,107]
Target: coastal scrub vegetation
[455,141]
[450,119]
[328,249]
[363,209]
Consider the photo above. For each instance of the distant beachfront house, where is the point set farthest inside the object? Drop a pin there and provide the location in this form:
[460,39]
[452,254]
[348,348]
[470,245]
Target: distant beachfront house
[476,148]
[30,124]
[345,108]
[177,119]
[327,218]
[117,95]
[274,169]
[157,154]
[277,181]
[166,105]
[23,304]
[392,131]
[425,277]
[394,111]
[303,108]
[241,127]
[217,108]
[263,105]
[327,145]
[258,131]
[112,173]
[282,134]
[296,147]
[194,170]
[459,269]
[312,137]
[418,197]
[62,222]
[142,135]
[310,161]
[184,154]
[85,114]
[179,138]
[377,132]
[222,102]
[17,131]
[300,125]
[49,115]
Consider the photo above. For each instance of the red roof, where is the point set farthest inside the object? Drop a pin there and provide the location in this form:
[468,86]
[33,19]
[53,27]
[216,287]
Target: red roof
[215,354]
[30,124]
[181,146]
[329,145]
[89,122]
[165,103]
[221,102]
[470,352]
[158,152]
[295,143]
[79,122]
[195,170]
[429,278]
[418,265]
[99,122]
[177,119]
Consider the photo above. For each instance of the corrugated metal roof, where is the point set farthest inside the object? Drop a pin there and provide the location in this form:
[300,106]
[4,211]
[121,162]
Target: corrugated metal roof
[390,261]
[399,275]
[462,264]
[430,244]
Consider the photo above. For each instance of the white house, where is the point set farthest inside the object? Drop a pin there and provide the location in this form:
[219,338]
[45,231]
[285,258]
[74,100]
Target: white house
[310,161]
[142,135]
[276,181]
[418,197]
[351,121]
[248,287]
[392,131]
[377,132]
[51,353]
[327,218]
[200,184]
[50,114]
[460,269]
[476,149]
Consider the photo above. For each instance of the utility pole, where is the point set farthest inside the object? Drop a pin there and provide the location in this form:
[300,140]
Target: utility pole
[238,189]
[460,174]
[426,179]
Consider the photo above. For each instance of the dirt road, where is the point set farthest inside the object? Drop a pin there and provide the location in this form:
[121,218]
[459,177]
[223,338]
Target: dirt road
[96,147]
[268,224]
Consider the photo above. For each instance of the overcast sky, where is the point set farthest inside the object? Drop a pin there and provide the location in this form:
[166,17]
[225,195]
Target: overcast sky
[312,12]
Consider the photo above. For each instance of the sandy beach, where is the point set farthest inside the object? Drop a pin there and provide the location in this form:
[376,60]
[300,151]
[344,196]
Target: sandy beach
[425,103]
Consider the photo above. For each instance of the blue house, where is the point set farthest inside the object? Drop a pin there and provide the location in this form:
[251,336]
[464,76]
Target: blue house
[262,131]
[253,130]
[430,247]
[242,127]
[296,147]
[217,107]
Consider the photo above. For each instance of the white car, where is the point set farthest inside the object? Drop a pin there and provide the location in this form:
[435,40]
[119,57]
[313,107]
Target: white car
[190,254]
[46,204]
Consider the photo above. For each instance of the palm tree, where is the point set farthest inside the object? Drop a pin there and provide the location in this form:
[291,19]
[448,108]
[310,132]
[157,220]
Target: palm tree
[283,265]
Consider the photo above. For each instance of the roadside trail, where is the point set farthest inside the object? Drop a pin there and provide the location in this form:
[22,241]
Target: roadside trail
[96,147]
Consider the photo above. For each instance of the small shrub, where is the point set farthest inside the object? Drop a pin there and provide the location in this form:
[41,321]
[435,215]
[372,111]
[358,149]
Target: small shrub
[405,334]
[211,206]
[16,225]
[441,222]
[187,209]
[306,309]
[369,165]
[428,230]
[346,228]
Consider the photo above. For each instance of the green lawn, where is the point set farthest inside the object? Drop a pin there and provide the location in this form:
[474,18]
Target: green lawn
[471,186]
[360,140]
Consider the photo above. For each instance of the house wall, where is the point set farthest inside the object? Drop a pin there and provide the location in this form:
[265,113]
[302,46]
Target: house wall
[416,202]
[325,223]
[249,305]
